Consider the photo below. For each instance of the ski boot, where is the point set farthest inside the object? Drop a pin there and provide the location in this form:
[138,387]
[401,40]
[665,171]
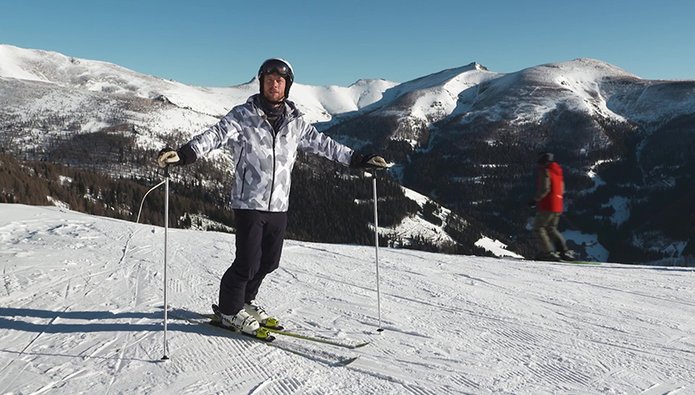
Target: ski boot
[244,323]
[567,255]
[256,311]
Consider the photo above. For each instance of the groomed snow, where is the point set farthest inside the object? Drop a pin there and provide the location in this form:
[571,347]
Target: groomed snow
[81,312]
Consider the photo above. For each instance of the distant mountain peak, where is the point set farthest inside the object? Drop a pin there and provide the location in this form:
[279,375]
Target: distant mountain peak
[476,66]
[588,66]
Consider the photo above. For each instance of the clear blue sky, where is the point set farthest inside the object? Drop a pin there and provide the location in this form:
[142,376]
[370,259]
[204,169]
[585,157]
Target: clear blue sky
[222,43]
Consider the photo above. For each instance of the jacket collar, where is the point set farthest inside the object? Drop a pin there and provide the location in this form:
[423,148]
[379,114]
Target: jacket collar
[291,110]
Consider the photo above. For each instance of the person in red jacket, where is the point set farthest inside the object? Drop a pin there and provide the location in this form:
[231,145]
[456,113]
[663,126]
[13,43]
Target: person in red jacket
[550,187]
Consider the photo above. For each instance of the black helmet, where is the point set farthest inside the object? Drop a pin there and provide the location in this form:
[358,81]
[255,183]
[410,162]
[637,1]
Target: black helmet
[545,157]
[280,67]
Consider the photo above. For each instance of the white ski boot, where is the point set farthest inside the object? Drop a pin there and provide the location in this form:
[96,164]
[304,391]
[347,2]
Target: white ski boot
[241,322]
[568,255]
[256,311]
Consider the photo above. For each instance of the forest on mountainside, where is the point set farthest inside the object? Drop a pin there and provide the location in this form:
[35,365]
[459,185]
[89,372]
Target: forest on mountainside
[328,202]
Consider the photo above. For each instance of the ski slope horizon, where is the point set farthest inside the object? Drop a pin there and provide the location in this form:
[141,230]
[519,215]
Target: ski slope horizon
[81,311]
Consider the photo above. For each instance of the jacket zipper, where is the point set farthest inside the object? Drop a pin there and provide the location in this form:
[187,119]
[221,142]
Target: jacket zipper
[243,184]
[285,122]
[243,175]
[272,182]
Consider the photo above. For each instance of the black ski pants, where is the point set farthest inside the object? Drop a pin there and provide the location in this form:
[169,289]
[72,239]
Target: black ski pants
[259,239]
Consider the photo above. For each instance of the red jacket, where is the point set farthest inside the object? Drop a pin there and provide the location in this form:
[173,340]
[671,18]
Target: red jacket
[550,187]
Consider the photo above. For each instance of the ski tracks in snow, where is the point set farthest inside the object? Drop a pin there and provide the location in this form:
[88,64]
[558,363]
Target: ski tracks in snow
[86,316]
[53,279]
[524,345]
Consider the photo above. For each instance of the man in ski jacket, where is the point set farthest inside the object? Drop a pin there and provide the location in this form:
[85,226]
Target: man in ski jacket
[550,187]
[263,135]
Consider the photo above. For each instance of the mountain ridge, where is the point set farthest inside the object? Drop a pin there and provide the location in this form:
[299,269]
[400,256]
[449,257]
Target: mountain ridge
[465,136]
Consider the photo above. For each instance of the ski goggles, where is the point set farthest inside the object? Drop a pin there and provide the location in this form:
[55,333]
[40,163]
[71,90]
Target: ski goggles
[276,67]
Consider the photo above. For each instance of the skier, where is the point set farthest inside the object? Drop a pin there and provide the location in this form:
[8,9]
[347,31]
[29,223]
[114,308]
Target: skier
[550,187]
[264,135]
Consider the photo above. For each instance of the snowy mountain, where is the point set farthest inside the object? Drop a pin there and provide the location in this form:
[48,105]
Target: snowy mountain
[319,103]
[86,96]
[81,312]
[407,111]
[466,137]
[56,107]
[574,84]
[624,143]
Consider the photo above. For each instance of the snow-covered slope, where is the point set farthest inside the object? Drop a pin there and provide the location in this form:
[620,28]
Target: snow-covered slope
[417,226]
[415,105]
[533,92]
[322,103]
[319,103]
[585,85]
[81,312]
[582,85]
[464,93]
[96,76]
[431,97]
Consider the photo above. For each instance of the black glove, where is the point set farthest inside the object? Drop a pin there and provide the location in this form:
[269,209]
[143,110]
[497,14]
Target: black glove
[369,161]
[532,203]
[183,156]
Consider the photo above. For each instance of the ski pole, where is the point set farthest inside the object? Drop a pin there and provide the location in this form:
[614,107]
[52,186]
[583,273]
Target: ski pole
[166,237]
[376,250]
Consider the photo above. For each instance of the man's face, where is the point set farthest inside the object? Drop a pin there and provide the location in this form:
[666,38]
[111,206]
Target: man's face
[273,87]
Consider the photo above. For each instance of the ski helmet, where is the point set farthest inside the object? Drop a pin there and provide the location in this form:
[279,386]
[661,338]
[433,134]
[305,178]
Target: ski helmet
[280,67]
[545,158]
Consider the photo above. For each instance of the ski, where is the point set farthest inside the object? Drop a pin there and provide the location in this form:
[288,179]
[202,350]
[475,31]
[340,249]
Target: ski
[319,339]
[584,262]
[267,339]
[575,262]
[324,357]
[312,338]
[212,320]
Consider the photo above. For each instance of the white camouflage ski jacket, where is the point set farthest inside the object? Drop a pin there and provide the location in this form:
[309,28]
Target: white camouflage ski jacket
[264,160]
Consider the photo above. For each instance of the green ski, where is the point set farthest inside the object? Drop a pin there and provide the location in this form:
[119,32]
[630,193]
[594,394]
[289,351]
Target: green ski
[313,338]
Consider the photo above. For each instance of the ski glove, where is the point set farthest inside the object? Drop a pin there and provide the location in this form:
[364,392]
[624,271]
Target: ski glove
[369,161]
[168,156]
